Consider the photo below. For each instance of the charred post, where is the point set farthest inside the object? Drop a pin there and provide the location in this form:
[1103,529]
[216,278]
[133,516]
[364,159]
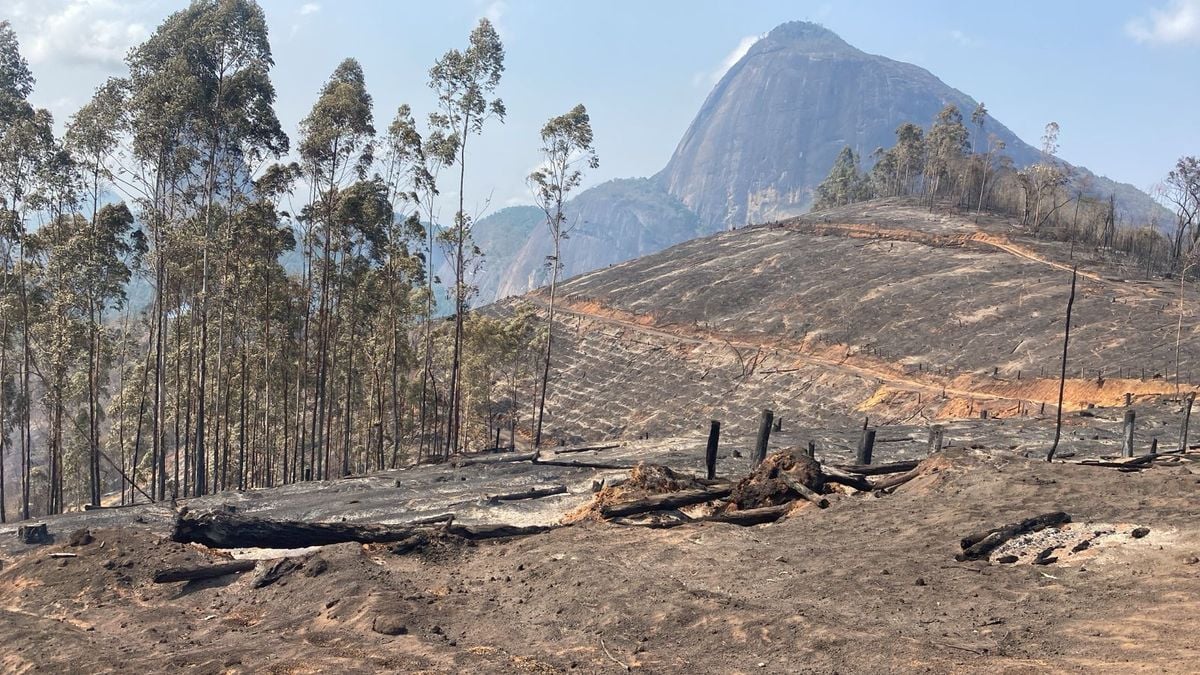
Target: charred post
[710,452]
[866,446]
[764,435]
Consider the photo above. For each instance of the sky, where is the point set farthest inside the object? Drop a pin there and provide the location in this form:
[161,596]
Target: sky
[1118,76]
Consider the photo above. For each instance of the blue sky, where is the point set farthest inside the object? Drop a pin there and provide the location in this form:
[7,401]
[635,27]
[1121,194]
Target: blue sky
[1119,77]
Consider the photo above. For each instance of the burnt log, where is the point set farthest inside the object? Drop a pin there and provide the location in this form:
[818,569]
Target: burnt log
[219,529]
[229,530]
[834,475]
[980,544]
[879,469]
[532,493]
[497,459]
[671,500]
[197,572]
[803,490]
[587,448]
[500,531]
[584,464]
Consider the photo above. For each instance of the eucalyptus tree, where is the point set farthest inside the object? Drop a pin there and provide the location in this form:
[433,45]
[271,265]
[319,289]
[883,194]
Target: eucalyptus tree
[947,142]
[566,150]
[336,147]
[92,137]
[1182,190]
[911,154]
[411,174]
[845,183]
[464,82]
[27,147]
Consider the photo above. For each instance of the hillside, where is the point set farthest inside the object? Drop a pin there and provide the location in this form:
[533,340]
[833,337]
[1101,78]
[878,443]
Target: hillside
[880,309]
[764,138]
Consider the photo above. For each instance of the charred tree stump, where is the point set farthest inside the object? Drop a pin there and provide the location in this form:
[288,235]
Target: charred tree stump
[866,446]
[1127,445]
[710,452]
[764,435]
[1154,446]
[33,534]
[812,450]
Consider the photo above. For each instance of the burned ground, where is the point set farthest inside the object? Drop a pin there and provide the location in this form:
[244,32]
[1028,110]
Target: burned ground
[868,584]
[880,311]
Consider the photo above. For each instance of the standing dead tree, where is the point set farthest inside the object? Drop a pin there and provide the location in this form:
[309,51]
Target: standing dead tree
[1062,379]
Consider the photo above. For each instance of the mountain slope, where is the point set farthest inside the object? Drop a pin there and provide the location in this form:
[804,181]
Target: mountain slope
[613,222]
[763,140]
[882,309]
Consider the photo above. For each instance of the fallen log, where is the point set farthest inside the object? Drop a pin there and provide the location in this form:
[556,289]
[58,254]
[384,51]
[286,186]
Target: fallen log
[498,459]
[587,448]
[584,465]
[197,572]
[803,490]
[879,469]
[532,493]
[980,544]
[671,500]
[219,529]
[896,481]
[744,518]
[481,532]
[759,516]
[230,530]
[1132,462]
[835,475]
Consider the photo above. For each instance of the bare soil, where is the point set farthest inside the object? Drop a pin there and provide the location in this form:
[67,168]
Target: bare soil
[868,585]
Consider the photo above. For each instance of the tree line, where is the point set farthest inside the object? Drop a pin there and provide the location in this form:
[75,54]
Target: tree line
[292,331]
[958,161]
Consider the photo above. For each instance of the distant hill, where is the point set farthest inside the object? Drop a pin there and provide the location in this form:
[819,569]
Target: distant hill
[765,137]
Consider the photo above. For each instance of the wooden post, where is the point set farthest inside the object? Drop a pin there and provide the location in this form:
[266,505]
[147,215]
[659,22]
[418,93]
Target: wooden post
[778,426]
[710,453]
[936,434]
[812,450]
[1187,417]
[1062,379]
[1127,447]
[764,435]
[866,446]
[1128,399]
[1154,446]
[983,414]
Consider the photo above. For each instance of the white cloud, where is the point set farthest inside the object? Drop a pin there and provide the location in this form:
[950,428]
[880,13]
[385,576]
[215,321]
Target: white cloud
[730,59]
[1178,22]
[495,11]
[963,40]
[79,32]
[309,8]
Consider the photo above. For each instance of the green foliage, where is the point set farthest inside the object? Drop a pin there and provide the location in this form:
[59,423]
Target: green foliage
[844,184]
